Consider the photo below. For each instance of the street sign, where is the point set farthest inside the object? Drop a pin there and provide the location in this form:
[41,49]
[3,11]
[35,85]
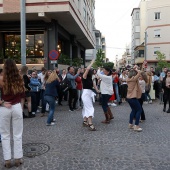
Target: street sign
[53,61]
[53,55]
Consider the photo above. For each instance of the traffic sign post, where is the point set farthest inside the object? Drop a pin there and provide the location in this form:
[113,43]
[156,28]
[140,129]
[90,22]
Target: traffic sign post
[53,56]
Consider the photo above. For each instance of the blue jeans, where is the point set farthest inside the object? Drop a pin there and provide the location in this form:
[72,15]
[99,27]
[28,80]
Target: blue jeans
[105,100]
[115,85]
[51,101]
[136,110]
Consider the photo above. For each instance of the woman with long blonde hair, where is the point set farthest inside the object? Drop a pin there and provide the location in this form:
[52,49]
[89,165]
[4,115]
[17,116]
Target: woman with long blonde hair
[52,85]
[12,90]
[47,74]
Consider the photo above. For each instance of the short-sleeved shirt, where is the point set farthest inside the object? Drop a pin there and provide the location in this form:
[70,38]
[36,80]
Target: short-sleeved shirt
[88,83]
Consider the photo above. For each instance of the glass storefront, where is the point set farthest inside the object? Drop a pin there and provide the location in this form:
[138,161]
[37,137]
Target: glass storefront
[34,47]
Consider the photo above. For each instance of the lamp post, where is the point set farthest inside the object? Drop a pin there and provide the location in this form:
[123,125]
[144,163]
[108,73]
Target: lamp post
[23,32]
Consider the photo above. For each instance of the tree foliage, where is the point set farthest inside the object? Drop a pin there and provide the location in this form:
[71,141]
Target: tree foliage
[100,56]
[109,65]
[77,62]
[161,60]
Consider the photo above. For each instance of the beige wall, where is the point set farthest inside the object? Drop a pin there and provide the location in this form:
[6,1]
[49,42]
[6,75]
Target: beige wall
[142,21]
[163,42]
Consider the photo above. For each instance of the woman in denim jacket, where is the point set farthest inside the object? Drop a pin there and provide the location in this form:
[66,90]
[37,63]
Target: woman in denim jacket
[35,86]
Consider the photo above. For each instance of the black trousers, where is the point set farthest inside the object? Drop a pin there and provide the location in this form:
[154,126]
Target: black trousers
[73,97]
[141,103]
[35,99]
[123,90]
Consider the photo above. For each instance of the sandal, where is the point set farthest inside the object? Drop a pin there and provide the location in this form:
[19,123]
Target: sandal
[85,123]
[7,164]
[91,127]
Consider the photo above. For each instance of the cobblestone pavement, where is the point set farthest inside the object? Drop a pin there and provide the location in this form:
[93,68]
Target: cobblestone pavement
[111,147]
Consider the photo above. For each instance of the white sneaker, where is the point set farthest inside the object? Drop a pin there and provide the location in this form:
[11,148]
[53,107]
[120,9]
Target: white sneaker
[150,102]
[38,111]
[137,129]
[113,104]
[51,124]
[145,102]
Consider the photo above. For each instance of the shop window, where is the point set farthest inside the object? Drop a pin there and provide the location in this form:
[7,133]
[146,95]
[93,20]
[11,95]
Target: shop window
[34,46]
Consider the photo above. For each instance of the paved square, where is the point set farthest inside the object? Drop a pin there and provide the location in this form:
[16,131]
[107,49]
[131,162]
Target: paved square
[111,147]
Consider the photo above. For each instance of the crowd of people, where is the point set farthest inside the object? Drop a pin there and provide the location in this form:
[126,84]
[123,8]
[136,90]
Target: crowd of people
[23,89]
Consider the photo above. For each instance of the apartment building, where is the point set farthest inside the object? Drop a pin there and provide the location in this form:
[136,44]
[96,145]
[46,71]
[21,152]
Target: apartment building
[135,36]
[154,31]
[157,29]
[63,25]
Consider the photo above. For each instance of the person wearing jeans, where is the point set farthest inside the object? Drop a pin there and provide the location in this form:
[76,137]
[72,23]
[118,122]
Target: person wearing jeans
[106,88]
[51,101]
[133,95]
[51,88]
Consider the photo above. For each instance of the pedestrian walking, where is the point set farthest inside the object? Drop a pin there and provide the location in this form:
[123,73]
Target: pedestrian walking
[13,90]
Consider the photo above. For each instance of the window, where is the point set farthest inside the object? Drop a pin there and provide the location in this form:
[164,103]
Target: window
[156,49]
[157,33]
[137,15]
[137,42]
[137,28]
[157,15]
[84,14]
[34,45]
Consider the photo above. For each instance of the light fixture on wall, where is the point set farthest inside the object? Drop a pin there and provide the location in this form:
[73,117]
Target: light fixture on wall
[27,40]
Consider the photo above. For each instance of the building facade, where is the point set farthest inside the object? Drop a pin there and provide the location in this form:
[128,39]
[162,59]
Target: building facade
[100,45]
[62,25]
[158,28]
[135,37]
[154,31]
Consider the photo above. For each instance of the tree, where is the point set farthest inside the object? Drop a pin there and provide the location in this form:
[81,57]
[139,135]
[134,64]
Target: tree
[64,59]
[77,62]
[109,65]
[161,60]
[100,56]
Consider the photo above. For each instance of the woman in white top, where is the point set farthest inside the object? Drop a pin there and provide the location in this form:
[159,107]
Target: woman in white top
[123,87]
[142,82]
[152,91]
[106,88]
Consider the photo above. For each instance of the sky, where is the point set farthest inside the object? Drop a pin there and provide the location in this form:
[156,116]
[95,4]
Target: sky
[113,19]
